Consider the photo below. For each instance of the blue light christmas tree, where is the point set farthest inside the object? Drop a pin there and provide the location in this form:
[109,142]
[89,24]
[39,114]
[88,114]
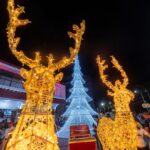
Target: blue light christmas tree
[79,111]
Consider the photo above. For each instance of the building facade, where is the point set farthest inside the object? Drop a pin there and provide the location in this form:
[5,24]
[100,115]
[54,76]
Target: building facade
[12,93]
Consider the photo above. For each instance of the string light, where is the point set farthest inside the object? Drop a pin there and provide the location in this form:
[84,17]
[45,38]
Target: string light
[121,133]
[35,127]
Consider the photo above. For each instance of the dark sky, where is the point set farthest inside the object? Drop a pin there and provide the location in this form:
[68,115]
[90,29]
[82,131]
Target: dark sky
[119,27]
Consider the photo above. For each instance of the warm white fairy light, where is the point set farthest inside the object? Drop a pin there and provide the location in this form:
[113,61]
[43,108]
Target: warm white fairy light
[121,133]
[35,127]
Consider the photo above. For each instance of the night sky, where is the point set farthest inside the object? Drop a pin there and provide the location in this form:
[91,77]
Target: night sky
[120,28]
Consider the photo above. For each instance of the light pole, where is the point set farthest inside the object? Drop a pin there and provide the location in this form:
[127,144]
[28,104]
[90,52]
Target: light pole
[140,93]
[103,105]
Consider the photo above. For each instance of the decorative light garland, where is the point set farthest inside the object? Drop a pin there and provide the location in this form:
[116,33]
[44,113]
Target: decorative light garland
[121,133]
[35,128]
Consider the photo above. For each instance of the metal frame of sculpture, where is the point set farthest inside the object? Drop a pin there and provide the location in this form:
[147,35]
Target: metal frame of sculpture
[35,128]
[121,133]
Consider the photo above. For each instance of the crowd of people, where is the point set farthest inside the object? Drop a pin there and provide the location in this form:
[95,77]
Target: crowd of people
[8,124]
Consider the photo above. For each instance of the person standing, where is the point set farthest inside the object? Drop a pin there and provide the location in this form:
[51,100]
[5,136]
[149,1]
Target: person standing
[141,143]
[7,135]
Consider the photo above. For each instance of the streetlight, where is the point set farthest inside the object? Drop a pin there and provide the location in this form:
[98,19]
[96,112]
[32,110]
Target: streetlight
[102,103]
[140,93]
[109,103]
[135,91]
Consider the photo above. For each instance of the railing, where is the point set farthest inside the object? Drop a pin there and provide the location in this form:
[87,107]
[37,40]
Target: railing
[11,84]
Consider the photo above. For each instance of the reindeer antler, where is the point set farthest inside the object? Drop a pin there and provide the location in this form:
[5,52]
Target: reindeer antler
[77,36]
[120,69]
[15,22]
[102,67]
[13,41]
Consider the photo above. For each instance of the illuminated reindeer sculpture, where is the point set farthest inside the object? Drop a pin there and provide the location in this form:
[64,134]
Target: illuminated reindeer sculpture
[121,133]
[35,127]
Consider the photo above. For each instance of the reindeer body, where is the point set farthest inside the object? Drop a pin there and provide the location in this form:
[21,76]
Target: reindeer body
[120,133]
[35,128]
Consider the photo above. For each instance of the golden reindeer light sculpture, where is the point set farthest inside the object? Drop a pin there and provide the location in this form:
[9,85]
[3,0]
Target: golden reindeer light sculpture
[121,133]
[35,127]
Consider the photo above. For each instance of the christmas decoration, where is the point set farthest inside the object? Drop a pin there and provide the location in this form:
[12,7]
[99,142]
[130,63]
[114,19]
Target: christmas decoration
[35,128]
[121,133]
[79,111]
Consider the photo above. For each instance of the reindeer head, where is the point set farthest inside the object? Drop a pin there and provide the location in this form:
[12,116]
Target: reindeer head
[122,96]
